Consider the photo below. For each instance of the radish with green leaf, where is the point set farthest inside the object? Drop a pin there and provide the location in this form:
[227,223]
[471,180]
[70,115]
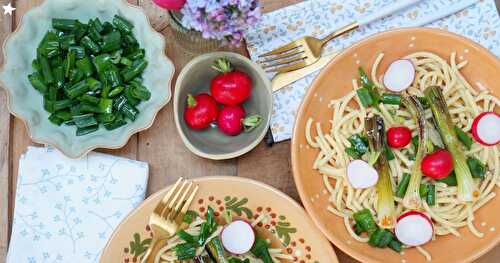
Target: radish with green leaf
[232,86]
[201,110]
[232,120]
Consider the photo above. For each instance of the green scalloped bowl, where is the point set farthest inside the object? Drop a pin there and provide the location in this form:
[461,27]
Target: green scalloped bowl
[26,103]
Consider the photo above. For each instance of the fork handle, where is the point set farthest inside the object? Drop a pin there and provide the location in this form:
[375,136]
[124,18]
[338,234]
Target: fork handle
[156,245]
[386,10]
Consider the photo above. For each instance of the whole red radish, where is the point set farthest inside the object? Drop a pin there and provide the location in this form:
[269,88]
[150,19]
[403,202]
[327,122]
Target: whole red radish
[232,121]
[170,4]
[231,87]
[438,164]
[201,110]
[398,137]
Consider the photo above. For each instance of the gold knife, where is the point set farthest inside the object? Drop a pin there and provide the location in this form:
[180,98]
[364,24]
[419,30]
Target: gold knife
[284,79]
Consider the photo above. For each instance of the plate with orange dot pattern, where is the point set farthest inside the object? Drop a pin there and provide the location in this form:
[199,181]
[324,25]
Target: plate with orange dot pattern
[287,226]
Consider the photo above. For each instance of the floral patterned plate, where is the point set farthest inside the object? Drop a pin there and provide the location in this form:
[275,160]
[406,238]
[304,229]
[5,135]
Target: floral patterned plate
[288,228]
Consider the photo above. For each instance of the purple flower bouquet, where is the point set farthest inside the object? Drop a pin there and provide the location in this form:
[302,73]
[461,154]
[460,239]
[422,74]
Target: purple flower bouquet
[222,20]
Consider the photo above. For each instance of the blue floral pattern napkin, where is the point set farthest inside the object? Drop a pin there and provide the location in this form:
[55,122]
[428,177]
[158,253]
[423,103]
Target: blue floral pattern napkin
[479,22]
[66,209]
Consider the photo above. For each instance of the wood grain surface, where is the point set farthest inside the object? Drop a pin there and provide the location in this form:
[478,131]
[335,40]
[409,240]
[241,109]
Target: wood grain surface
[160,145]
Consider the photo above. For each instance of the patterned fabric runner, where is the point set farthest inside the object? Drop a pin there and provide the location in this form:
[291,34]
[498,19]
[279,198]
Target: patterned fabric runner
[67,209]
[479,22]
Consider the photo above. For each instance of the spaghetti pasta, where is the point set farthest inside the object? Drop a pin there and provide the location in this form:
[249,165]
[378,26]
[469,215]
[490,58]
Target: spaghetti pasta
[167,254]
[464,104]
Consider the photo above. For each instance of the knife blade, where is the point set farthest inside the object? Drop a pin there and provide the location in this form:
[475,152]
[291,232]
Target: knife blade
[284,79]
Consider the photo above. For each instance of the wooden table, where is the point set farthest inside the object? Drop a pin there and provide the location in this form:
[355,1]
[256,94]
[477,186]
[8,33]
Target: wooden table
[160,145]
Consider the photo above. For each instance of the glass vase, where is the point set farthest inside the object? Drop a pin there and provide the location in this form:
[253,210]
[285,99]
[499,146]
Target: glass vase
[190,41]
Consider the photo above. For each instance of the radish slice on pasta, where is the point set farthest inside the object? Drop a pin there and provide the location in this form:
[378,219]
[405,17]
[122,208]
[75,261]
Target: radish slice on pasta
[399,75]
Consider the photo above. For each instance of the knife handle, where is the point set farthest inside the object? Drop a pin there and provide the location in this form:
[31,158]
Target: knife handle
[282,80]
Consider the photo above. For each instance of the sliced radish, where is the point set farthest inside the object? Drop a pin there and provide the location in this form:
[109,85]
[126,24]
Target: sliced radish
[361,174]
[486,128]
[238,237]
[400,75]
[414,228]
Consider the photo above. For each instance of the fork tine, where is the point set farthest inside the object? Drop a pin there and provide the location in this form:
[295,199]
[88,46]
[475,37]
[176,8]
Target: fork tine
[281,49]
[181,201]
[171,203]
[160,207]
[285,62]
[189,200]
[282,56]
[288,68]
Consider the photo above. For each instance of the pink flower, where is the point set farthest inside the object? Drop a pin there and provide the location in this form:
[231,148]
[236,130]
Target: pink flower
[170,4]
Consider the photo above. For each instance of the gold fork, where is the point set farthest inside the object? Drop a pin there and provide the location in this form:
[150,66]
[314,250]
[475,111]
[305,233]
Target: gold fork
[307,50]
[167,216]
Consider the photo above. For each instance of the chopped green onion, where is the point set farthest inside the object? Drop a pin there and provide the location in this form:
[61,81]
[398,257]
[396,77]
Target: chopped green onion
[464,138]
[390,98]
[476,167]
[90,74]
[403,185]
[86,130]
[396,245]
[423,191]
[185,251]
[189,216]
[365,97]
[88,43]
[111,41]
[136,69]
[450,180]
[431,195]
[64,24]
[85,120]
[381,238]
[122,24]
[36,81]
[85,65]
[365,220]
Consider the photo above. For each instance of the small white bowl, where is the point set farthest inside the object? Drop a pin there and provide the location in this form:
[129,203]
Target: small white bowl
[211,143]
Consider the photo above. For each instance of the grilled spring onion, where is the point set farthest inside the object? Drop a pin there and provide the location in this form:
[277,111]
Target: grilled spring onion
[93,69]
[187,250]
[359,146]
[216,251]
[442,119]
[375,131]
[411,198]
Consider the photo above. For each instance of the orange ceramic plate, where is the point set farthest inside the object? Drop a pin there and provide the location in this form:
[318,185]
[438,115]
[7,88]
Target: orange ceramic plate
[334,82]
[290,227]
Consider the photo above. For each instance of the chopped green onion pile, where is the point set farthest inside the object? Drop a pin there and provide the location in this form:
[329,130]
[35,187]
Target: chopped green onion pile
[90,74]
[379,237]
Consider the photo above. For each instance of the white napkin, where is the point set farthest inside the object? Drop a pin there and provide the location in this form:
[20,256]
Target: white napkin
[66,209]
[479,22]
